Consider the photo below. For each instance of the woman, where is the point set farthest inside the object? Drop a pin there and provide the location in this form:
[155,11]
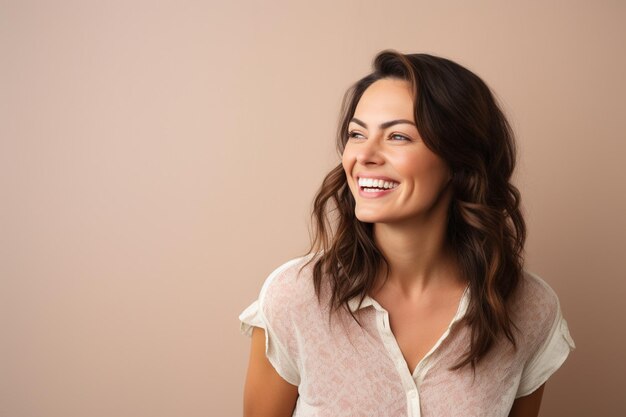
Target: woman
[413,299]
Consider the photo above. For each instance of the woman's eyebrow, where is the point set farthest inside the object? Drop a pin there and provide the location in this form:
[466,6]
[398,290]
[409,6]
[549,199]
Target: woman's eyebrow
[383,125]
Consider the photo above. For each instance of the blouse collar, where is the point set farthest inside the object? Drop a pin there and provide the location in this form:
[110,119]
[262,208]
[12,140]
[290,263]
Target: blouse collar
[353,304]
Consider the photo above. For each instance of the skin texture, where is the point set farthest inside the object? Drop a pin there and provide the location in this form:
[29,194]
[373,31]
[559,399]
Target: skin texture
[266,393]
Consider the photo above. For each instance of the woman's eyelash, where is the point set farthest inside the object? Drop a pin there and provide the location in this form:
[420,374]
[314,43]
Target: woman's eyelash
[353,134]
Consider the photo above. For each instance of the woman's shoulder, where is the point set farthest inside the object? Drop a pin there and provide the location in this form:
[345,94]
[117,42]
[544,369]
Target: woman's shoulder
[535,305]
[534,289]
[545,338]
[288,284]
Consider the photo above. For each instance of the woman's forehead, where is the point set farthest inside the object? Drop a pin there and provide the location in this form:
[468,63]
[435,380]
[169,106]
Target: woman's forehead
[384,100]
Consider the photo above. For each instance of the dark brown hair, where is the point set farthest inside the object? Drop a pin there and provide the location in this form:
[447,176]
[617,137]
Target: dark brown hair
[459,120]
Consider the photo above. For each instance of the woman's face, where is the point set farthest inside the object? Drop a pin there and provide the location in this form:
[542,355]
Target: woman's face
[383,142]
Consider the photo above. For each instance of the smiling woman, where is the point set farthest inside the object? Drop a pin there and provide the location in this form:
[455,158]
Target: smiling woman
[392,147]
[413,299]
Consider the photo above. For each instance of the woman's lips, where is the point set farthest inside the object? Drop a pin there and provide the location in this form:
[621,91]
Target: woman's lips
[375,194]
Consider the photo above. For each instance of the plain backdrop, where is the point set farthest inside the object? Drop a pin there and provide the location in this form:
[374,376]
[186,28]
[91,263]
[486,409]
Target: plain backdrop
[158,160]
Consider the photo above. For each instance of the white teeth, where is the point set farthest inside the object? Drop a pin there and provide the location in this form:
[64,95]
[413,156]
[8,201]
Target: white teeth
[369,182]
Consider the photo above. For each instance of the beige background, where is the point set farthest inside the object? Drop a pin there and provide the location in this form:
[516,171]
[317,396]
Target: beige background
[158,160]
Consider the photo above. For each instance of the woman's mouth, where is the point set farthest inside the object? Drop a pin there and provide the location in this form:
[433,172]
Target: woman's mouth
[372,188]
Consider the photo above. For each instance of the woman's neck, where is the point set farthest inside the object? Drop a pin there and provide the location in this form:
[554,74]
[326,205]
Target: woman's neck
[418,256]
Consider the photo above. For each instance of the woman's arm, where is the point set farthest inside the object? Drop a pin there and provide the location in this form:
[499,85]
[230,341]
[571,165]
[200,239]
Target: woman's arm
[266,393]
[528,406]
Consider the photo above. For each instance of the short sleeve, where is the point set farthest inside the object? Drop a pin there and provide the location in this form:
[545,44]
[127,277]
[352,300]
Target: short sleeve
[251,317]
[548,358]
[275,349]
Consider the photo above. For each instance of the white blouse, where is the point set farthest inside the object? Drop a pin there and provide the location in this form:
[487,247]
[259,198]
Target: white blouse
[344,370]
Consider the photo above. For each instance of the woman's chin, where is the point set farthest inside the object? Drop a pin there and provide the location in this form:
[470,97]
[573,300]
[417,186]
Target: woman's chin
[371,217]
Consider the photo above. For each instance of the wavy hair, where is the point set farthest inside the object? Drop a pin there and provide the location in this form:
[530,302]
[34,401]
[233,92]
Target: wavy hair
[458,119]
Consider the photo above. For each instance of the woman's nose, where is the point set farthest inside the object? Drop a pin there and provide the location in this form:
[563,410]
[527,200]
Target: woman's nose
[369,151]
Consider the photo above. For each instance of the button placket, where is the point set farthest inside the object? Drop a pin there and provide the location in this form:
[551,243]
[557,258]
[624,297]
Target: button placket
[394,351]
[411,379]
[413,402]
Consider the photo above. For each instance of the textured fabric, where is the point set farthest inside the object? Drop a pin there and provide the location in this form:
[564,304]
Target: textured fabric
[344,370]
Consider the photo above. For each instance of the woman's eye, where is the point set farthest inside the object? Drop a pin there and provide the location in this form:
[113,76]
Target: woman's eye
[402,137]
[353,134]
[357,135]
